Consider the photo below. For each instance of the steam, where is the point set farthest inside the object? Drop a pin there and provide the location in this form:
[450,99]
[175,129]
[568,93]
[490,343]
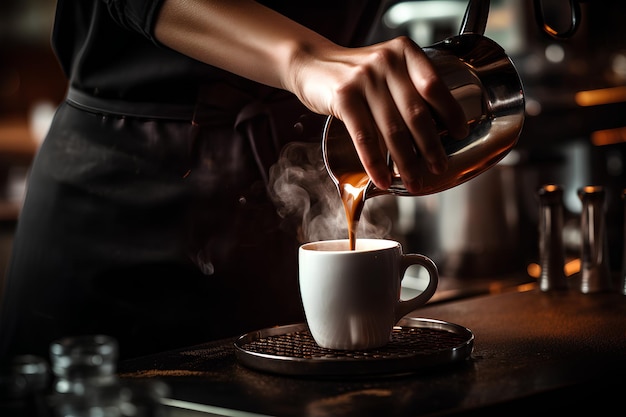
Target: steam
[309,200]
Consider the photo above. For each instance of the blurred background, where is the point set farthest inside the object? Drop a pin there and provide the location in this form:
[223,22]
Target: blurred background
[31,86]
[574,133]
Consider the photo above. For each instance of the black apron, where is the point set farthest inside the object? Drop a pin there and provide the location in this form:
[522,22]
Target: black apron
[154,225]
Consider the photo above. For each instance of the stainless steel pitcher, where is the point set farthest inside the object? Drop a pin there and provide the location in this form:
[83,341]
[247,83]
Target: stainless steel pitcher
[484,81]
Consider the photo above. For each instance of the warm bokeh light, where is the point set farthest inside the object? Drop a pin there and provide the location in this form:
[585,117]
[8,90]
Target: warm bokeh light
[609,136]
[601,96]
[533,270]
[570,268]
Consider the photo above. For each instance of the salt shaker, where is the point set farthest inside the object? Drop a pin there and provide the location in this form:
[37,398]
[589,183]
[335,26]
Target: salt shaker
[551,248]
[595,269]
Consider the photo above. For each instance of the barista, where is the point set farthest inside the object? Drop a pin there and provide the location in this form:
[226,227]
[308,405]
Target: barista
[146,216]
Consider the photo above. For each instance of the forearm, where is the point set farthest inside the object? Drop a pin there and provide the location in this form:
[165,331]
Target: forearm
[386,94]
[240,36]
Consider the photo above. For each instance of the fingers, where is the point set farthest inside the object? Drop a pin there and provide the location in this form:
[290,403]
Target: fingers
[405,108]
[407,128]
[421,132]
[392,104]
[360,125]
[433,91]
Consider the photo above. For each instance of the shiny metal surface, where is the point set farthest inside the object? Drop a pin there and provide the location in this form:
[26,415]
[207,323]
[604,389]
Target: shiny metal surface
[575,18]
[551,248]
[474,229]
[484,81]
[475,18]
[595,271]
[416,344]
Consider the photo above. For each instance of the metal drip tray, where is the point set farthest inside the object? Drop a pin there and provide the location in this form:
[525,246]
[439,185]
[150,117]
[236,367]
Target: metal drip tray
[416,344]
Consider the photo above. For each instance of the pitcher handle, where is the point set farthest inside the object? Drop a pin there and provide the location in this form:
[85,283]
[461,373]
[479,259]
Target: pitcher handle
[475,18]
[564,34]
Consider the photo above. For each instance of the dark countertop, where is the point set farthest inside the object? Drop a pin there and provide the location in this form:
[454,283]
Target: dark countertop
[533,352]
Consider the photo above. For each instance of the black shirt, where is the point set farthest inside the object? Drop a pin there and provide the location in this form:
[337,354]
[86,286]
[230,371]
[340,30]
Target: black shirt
[107,47]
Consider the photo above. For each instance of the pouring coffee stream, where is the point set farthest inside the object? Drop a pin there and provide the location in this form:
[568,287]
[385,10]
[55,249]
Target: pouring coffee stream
[484,81]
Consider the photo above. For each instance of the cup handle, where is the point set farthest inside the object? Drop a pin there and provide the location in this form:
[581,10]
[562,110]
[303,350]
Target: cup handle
[404,307]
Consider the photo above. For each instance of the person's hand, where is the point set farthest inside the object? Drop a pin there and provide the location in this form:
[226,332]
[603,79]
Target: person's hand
[388,93]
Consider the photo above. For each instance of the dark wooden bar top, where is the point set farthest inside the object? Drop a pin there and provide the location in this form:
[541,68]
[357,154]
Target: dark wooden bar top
[533,352]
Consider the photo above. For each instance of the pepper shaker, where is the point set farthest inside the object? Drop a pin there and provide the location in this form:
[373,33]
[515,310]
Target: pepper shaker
[551,248]
[595,270]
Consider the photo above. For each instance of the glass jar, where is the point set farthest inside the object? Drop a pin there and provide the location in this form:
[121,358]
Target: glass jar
[85,383]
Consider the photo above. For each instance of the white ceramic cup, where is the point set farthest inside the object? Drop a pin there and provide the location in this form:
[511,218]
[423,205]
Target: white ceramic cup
[352,299]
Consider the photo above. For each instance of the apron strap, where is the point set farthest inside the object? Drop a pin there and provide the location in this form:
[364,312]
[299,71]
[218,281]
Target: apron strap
[146,110]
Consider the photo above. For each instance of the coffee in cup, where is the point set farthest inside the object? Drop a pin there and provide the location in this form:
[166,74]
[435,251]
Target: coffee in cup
[351,298]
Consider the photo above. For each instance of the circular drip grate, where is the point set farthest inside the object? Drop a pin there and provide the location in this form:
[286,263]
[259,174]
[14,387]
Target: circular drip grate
[415,344]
